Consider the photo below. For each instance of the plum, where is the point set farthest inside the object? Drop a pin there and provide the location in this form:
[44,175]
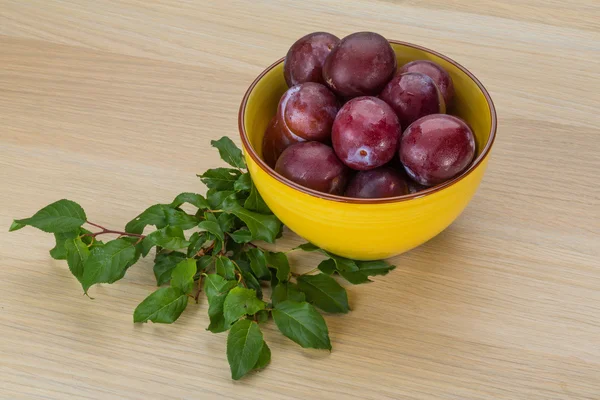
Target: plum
[274,142]
[413,95]
[436,148]
[440,76]
[365,133]
[377,183]
[313,165]
[304,60]
[307,111]
[360,65]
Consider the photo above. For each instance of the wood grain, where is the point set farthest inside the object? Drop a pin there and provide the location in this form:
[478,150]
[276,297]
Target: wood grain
[113,104]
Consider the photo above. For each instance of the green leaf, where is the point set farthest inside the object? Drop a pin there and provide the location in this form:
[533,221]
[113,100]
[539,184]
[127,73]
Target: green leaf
[262,227]
[59,252]
[216,198]
[327,266]
[204,262]
[366,269]
[77,255]
[286,291]
[60,216]
[342,264]
[280,262]
[248,276]
[182,277]
[163,306]
[161,216]
[229,152]
[212,227]
[164,264]
[240,302]
[264,358]
[197,241]
[258,263]
[256,203]
[216,289]
[194,199]
[244,347]
[170,238]
[302,323]
[324,292]
[15,226]
[262,316]
[225,267]
[244,182]
[108,263]
[220,178]
[308,247]
[226,222]
[241,236]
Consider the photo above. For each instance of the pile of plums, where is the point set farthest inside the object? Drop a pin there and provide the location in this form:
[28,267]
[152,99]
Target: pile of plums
[353,124]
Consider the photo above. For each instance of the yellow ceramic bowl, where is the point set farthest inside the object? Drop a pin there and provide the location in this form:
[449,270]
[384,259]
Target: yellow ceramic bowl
[368,229]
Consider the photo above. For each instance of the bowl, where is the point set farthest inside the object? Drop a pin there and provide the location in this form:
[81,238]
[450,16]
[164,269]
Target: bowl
[368,229]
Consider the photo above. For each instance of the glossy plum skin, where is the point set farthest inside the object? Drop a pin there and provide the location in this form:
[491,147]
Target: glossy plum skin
[304,60]
[274,142]
[439,75]
[436,148]
[360,65]
[307,111]
[365,133]
[413,95]
[377,183]
[313,165]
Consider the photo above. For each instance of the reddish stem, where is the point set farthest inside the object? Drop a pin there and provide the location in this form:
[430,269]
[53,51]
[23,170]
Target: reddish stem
[104,231]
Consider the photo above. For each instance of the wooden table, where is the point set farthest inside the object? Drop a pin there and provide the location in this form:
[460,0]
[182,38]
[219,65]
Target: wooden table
[113,103]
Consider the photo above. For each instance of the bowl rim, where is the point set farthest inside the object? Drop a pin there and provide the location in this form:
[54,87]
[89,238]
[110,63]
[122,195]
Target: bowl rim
[326,196]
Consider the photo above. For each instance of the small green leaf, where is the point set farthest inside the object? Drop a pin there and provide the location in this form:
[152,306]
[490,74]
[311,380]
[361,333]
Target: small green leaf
[170,238]
[15,226]
[225,267]
[108,263]
[324,292]
[258,263]
[59,252]
[212,227]
[241,236]
[240,302]
[262,227]
[162,306]
[182,277]
[327,266]
[229,152]
[217,198]
[248,276]
[302,323]
[286,291]
[216,289]
[244,347]
[220,178]
[264,358]
[226,222]
[77,255]
[366,269]
[197,241]
[60,216]
[262,316]
[161,216]
[164,264]
[194,199]
[256,203]
[280,262]
[355,278]
[308,247]
[204,262]
[244,182]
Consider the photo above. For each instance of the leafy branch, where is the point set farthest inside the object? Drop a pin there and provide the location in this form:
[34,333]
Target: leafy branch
[213,249]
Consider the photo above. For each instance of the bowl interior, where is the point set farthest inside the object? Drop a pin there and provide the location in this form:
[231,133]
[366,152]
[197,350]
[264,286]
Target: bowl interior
[471,102]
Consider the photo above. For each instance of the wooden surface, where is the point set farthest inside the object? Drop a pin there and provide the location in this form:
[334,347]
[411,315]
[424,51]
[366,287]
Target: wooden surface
[113,103]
